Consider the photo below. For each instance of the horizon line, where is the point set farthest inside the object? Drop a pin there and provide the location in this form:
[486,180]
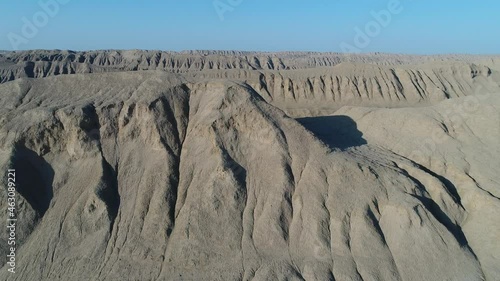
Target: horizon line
[252,51]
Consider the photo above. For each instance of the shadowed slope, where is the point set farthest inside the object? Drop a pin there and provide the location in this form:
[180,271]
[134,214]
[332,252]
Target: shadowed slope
[335,131]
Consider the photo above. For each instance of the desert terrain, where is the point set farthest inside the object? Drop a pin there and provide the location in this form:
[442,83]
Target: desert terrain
[222,165]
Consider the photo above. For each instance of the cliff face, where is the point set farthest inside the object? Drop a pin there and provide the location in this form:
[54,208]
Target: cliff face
[150,175]
[322,91]
[302,84]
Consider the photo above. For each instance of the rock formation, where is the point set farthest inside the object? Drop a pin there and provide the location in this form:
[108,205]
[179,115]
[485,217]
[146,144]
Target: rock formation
[190,166]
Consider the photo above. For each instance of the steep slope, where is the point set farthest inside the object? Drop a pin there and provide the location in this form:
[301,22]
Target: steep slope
[458,141]
[322,91]
[155,176]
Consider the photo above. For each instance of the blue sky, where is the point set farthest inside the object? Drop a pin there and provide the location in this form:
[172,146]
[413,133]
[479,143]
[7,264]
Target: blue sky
[421,26]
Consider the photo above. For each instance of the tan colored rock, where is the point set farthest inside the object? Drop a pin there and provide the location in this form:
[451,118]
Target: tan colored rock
[150,175]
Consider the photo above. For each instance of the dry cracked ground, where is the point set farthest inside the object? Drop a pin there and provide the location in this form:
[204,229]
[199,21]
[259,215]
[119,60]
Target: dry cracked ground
[145,165]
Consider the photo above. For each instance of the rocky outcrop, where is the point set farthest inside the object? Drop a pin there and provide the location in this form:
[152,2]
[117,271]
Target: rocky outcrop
[43,63]
[151,175]
[322,91]
[302,84]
